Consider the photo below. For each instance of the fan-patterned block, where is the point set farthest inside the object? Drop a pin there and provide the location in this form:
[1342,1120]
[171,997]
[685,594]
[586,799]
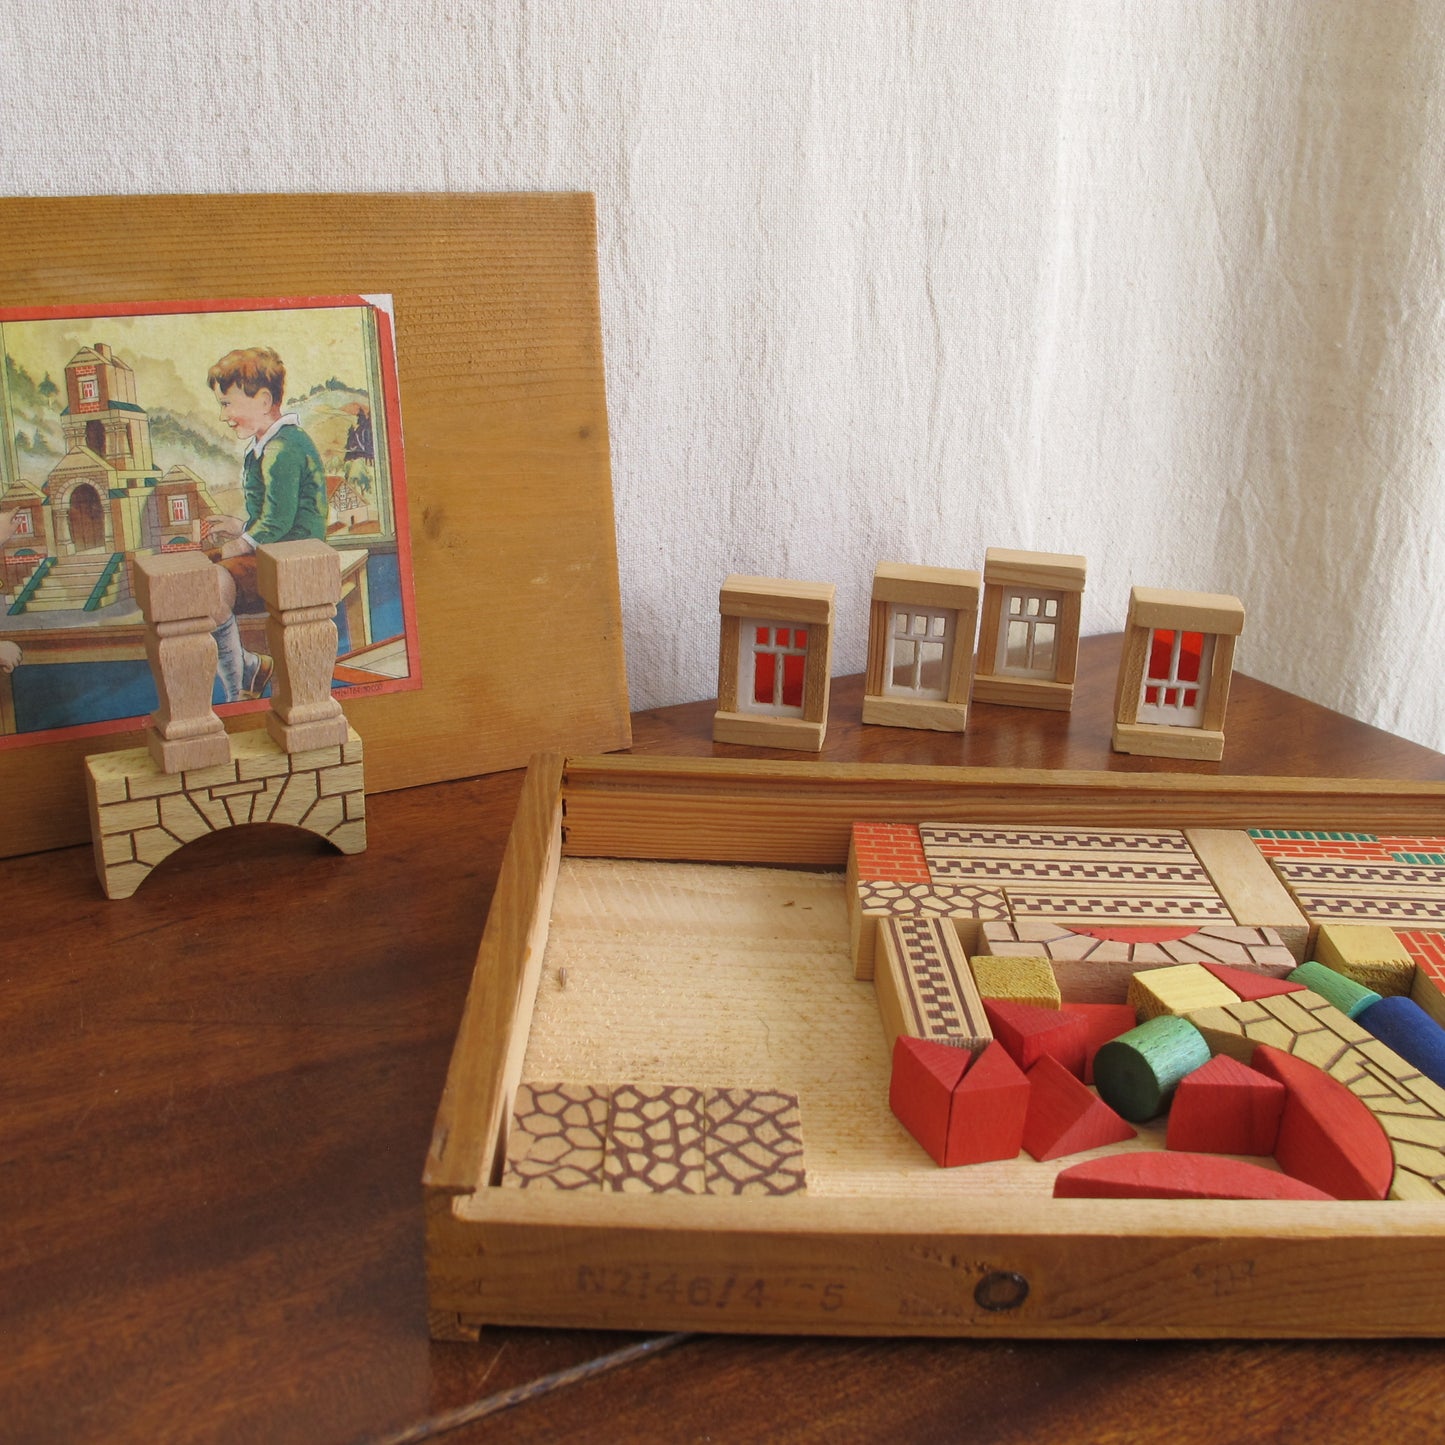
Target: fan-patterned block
[1409,1107]
[655,1140]
[557,1138]
[966,907]
[754,1142]
[925,986]
[889,852]
[1094,965]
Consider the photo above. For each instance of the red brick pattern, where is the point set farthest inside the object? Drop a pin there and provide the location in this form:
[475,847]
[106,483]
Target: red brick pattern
[889,853]
[1359,848]
[1427,948]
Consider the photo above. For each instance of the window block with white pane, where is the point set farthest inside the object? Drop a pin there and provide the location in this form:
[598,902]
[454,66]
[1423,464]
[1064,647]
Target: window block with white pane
[1174,676]
[920,647]
[1028,648]
[774,655]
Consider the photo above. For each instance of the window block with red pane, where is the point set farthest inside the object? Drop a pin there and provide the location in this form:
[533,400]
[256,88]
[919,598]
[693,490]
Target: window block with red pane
[774,652]
[1028,646]
[1174,676]
[920,647]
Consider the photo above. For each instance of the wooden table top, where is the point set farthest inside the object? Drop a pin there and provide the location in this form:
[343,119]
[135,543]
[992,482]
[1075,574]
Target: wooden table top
[218,1094]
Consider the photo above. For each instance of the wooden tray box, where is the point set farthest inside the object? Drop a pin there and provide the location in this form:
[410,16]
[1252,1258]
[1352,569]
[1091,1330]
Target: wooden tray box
[998,1262]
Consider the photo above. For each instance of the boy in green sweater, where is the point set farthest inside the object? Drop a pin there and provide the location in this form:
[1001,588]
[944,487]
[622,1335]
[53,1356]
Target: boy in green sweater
[283,484]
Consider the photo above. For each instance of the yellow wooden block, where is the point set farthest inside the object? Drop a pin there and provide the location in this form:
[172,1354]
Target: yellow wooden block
[1177,990]
[1018,978]
[1369,953]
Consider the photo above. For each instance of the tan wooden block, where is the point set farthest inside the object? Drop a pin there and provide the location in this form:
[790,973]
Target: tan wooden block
[1179,989]
[228,790]
[179,755]
[314,759]
[151,783]
[1407,1186]
[351,750]
[122,880]
[900,712]
[1024,692]
[201,778]
[127,817]
[291,575]
[926,586]
[324,815]
[153,845]
[924,984]
[108,775]
[757,730]
[349,837]
[1215,612]
[238,809]
[181,818]
[776,597]
[1429,1132]
[1369,953]
[1019,979]
[175,586]
[343,779]
[297,799]
[355,804]
[116,848]
[1005,566]
[305,738]
[273,763]
[1250,887]
[213,810]
[1155,740]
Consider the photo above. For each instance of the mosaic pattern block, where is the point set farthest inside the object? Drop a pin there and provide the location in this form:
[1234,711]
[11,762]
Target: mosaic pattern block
[1409,1107]
[655,1140]
[925,986]
[966,907]
[754,1142]
[1094,969]
[558,1137]
[890,851]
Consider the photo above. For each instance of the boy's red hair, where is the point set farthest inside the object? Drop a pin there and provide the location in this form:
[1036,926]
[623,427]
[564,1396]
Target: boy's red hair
[252,369]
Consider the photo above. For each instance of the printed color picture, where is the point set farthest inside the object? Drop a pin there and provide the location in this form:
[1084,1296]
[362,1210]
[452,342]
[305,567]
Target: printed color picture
[216,427]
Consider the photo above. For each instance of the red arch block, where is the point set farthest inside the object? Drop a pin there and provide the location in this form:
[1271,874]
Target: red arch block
[1178,1176]
[1327,1136]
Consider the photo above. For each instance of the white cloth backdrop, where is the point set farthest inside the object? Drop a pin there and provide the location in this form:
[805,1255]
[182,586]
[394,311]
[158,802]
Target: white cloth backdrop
[1158,281]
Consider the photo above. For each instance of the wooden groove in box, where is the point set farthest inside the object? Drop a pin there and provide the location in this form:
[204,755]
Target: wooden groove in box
[890,1264]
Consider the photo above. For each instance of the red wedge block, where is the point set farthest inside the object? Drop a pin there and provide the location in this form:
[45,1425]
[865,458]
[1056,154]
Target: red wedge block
[1065,1117]
[920,1091]
[990,1103]
[1177,1176]
[1327,1136]
[1250,985]
[1226,1108]
[1102,1022]
[1029,1033]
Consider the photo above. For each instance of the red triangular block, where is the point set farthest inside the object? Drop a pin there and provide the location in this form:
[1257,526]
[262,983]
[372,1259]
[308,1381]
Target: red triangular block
[1225,1108]
[1177,1176]
[1327,1136]
[1102,1022]
[1250,985]
[920,1090]
[990,1104]
[1065,1117]
[1029,1033]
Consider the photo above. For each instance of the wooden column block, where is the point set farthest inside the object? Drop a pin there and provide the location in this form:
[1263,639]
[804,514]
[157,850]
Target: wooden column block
[301,583]
[1226,1108]
[1138,1072]
[1065,1117]
[180,597]
[1327,1136]
[1368,953]
[1178,1176]
[990,1104]
[920,1090]
[1344,993]
[1030,1034]
[1402,1025]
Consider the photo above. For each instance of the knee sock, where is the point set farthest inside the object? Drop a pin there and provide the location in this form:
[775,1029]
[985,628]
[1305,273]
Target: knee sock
[230,658]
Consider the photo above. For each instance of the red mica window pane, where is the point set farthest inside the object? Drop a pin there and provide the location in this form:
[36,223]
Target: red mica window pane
[1161,645]
[1191,652]
[1151,696]
[765,671]
[800,639]
[763,636]
[793,679]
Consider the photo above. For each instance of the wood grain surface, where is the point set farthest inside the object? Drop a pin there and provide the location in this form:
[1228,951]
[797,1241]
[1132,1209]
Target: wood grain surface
[218,1098]
[499,355]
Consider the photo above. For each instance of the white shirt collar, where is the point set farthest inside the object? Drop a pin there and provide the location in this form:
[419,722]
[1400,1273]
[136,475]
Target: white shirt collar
[257,445]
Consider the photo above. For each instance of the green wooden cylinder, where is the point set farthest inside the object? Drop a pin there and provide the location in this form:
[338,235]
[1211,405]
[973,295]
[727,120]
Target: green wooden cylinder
[1136,1073]
[1349,997]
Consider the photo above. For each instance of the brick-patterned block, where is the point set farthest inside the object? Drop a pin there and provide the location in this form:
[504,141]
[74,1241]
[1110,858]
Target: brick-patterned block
[655,1140]
[754,1142]
[1095,964]
[558,1136]
[1427,988]
[889,852]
